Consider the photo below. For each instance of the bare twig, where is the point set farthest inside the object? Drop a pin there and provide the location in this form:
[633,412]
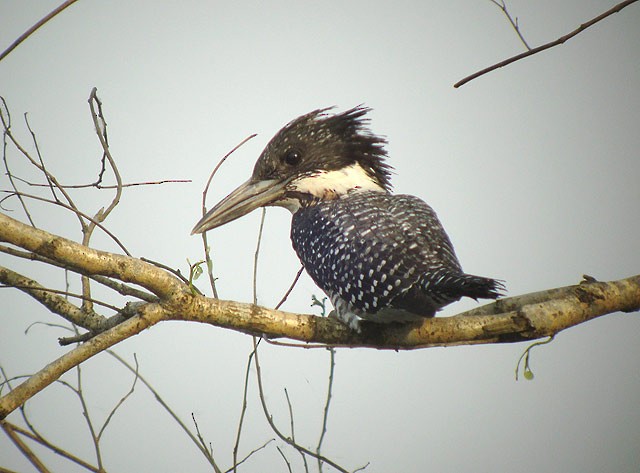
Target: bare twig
[35,27]
[175,272]
[362,468]
[551,44]
[293,431]
[272,424]
[166,407]
[248,455]
[107,187]
[51,299]
[136,376]
[5,117]
[36,437]
[212,279]
[514,23]
[45,295]
[255,257]
[38,164]
[124,289]
[23,447]
[85,412]
[202,441]
[285,459]
[288,293]
[215,170]
[243,410]
[75,211]
[325,416]
[564,308]
[34,139]
[100,124]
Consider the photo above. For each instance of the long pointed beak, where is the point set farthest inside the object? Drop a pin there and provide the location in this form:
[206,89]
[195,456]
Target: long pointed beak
[249,196]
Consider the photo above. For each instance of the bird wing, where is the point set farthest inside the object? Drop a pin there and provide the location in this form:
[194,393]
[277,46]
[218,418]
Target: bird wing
[372,248]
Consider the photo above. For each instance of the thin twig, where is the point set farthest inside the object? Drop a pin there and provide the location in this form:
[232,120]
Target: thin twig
[32,30]
[255,257]
[36,437]
[175,272]
[215,170]
[107,187]
[248,455]
[273,426]
[212,279]
[123,289]
[285,459]
[85,412]
[201,438]
[243,410]
[122,400]
[36,145]
[37,164]
[293,432]
[514,23]
[37,288]
[34,434]
[362,468]
[26,451]
[551,44]
[6,123]
[168,410]
[75,211]
[288,293]
[100,124]
[325,416]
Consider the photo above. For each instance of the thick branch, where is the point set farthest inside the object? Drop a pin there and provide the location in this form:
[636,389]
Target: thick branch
[514,319]
[52,301]
[149,315]
[88,260]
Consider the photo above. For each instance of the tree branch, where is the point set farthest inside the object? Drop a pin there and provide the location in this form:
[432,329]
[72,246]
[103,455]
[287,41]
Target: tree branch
[33,28]
[52,301]
[87,260]
[551,44]
[514,23]
[23,447]
[514,319]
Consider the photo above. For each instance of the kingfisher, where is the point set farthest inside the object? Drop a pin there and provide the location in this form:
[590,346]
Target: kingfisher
[379,256]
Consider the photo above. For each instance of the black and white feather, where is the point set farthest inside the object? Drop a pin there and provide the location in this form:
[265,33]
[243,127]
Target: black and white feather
[382,257]
[378,256]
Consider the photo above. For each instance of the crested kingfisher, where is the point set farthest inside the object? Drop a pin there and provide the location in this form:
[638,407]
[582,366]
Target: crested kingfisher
[379,256]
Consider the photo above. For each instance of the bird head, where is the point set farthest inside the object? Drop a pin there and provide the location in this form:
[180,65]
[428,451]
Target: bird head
[317,156]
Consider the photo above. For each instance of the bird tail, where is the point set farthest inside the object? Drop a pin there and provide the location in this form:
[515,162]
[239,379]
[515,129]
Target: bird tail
[449,287]
[478,287]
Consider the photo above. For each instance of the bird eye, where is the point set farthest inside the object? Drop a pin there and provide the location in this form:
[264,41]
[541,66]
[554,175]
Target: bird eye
[292,157]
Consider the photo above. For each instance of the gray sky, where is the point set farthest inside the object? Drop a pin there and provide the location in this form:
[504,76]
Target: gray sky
[532,169]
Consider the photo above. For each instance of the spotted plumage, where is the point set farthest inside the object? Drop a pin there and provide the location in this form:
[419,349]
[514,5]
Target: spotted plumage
[378,256]
[381,257]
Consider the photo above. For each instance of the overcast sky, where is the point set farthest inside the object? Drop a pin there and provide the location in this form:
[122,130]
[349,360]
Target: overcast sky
[533,170]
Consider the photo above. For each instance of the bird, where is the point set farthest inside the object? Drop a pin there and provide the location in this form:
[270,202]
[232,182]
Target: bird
[380,257]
